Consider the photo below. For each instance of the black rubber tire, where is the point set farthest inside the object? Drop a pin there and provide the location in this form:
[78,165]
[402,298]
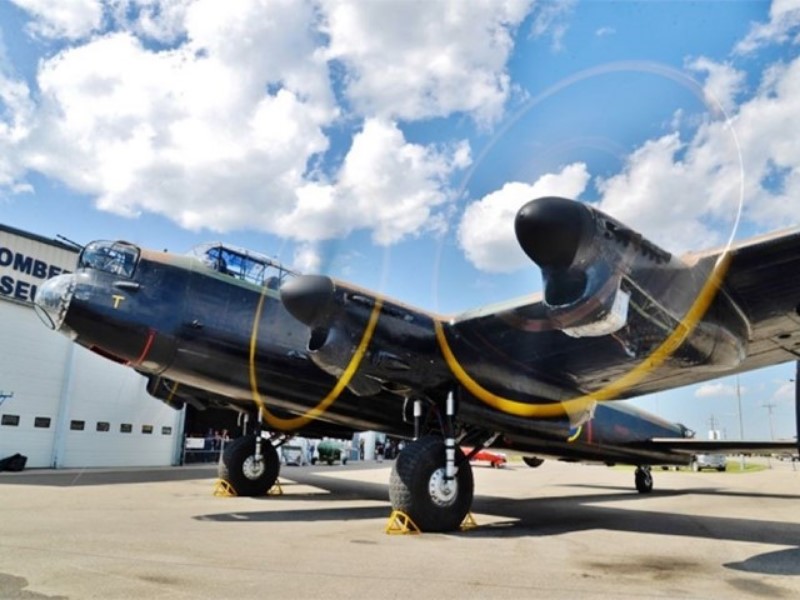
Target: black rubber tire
[408,486]
[533,461]
[644,481]
[233,459]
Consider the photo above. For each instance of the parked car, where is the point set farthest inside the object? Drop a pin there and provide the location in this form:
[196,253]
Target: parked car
[709,461]
[496,459]
[294,455]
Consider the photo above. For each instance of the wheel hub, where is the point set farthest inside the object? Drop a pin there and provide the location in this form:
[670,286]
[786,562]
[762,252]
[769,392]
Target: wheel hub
[253,467]
[442,492]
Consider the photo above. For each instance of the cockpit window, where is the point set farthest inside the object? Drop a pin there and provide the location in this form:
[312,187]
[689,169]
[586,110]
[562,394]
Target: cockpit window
[242,264]
[119,258]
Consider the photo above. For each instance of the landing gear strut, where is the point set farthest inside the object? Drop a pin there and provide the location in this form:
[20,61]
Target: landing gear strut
[250,472]
[644,479]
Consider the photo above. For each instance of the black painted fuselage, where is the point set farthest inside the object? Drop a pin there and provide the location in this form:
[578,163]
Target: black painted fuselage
[193,329]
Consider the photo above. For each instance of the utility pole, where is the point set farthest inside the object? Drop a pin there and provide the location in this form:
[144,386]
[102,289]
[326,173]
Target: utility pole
[712,424]
[769,406]
[741,422]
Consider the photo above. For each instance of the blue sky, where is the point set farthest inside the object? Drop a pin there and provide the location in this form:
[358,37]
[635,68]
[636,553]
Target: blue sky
[390,143]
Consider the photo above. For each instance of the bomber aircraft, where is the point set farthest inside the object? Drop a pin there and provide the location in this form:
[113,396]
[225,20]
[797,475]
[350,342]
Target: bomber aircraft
[618,317]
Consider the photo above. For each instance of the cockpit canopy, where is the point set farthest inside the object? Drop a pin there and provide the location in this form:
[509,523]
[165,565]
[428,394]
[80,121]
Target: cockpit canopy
[243,264]
[119,258]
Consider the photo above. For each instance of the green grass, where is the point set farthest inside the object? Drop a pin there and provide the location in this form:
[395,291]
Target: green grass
[734,467]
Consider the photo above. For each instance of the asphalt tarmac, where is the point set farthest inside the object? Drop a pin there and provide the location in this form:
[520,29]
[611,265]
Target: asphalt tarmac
[559,531]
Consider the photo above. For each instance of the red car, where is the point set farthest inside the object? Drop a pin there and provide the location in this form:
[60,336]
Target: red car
[496,459]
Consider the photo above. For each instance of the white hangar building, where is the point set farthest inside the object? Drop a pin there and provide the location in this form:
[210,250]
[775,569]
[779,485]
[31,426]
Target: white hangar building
[60,404]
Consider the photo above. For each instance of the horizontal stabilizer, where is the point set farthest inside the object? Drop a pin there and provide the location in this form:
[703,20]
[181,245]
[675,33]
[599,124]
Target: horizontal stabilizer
[692,446]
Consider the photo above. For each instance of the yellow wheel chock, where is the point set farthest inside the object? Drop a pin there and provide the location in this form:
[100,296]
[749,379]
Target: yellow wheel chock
[401,524]
[224,489]
[468,523]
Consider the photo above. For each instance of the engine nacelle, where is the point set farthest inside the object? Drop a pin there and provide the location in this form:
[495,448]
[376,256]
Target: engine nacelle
[601,277]
[402,353]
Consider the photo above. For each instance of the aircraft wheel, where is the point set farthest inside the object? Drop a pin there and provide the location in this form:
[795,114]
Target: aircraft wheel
[240,469]
[644,480]
[418,487]
[695,466]
[533,461]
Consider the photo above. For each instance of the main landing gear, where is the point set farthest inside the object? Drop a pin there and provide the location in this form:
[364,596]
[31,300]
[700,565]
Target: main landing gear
[250,468]
[420,488]
[643,479]
[431,481]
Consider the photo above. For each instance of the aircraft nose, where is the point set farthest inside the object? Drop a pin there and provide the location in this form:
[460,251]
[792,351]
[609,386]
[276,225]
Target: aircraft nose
[53,299]
[550,230]
[308,297]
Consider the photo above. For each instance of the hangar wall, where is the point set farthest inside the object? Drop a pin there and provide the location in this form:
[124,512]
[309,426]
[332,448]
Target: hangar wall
[70,408]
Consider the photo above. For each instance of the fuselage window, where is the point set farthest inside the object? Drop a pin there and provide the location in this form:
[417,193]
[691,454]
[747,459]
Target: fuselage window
[118,258]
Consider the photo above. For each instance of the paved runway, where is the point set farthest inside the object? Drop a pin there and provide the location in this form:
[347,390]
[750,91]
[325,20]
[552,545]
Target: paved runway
[559,531]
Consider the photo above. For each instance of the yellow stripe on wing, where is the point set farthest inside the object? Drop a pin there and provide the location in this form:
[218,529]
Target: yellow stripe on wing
[612,390]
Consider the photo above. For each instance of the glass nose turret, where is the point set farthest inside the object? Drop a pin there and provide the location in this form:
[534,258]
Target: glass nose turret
[53,299]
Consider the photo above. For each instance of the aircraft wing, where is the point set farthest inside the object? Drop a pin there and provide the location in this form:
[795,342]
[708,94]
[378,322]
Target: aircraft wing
[752,319]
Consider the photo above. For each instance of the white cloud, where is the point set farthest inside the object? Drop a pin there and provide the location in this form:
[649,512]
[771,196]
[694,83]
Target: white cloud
[162,20]
[665,197]
[191,132]
[605,31]
[783,26]
[412,60]
[72,19]
[223,123]
[307,259]
[717,389]
[678,193]
[685,194]
[385,184]
[723,83]
[551,19]
[785,392]
[767,126]
[16,114]
[486,232]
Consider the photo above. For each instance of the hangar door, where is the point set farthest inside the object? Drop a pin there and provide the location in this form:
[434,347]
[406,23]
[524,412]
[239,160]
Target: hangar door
[33,367]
